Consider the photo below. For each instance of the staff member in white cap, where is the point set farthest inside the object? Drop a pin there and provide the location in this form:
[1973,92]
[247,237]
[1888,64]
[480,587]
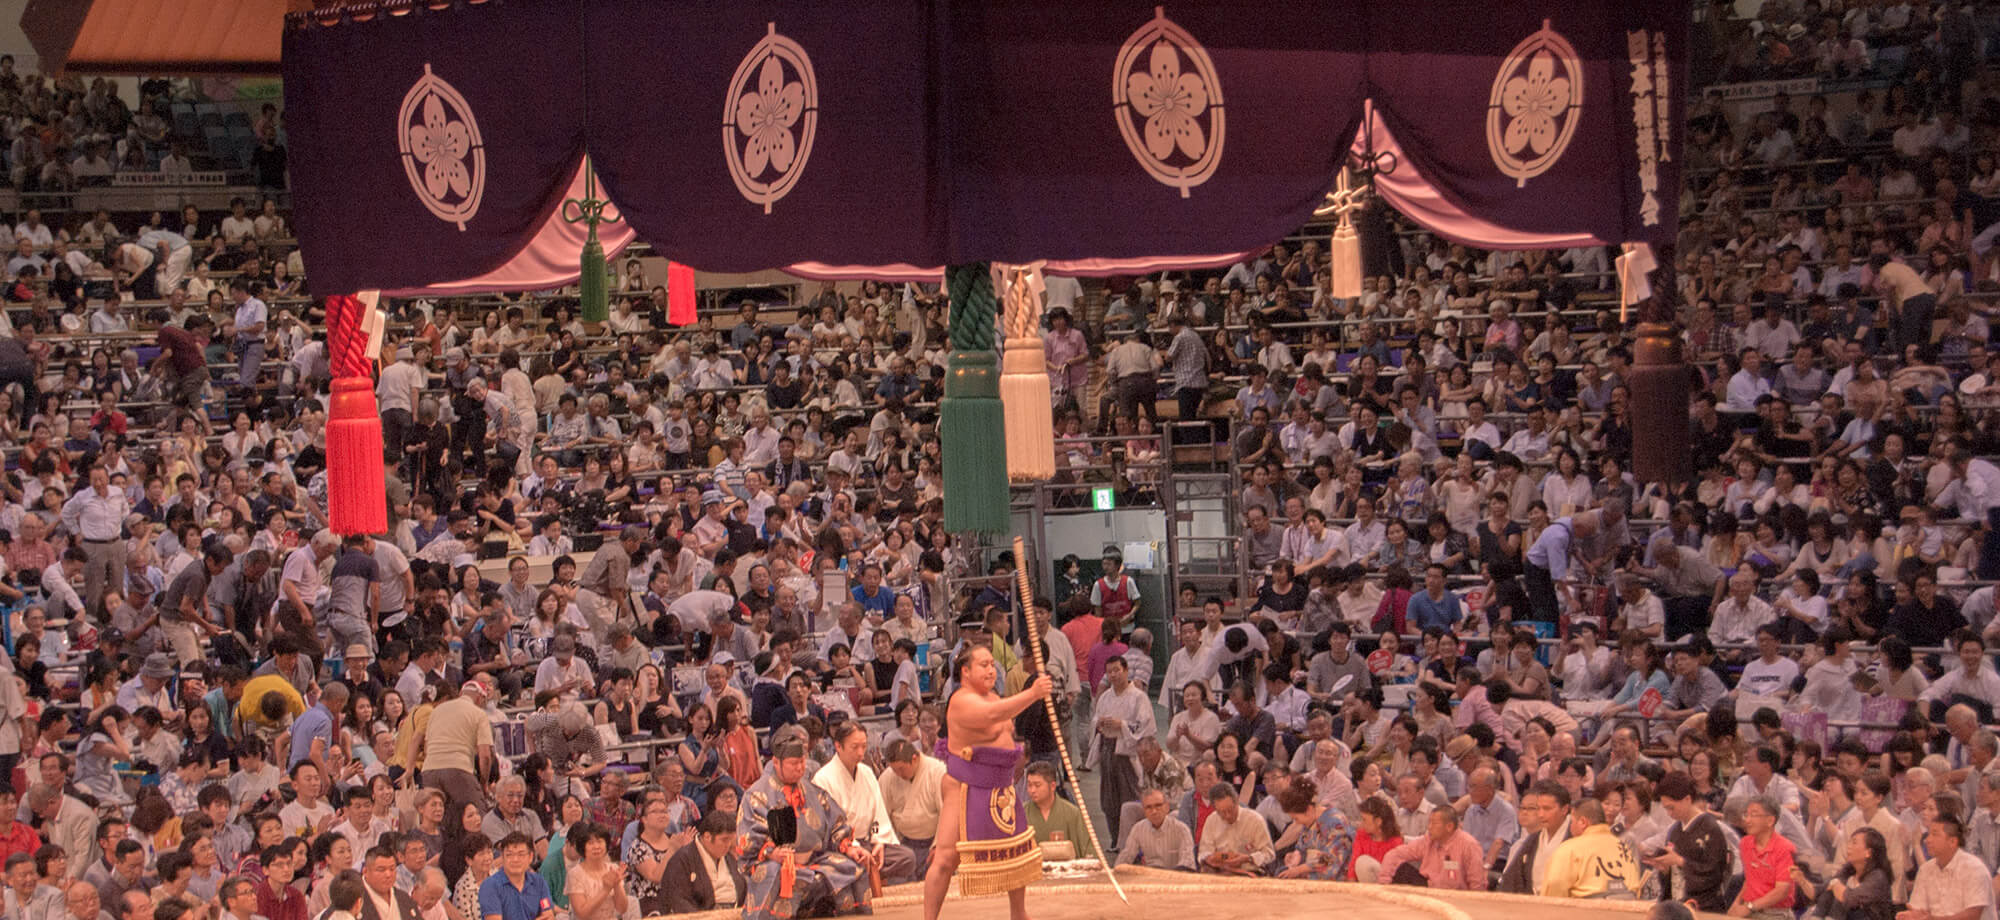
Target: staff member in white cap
[354,671]
[562,672]
[150,687]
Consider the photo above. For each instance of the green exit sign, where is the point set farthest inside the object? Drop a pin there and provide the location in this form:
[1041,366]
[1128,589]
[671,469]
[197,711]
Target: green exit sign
[1103,498]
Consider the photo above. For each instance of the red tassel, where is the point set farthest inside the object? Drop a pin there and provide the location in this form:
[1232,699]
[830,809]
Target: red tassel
[355,497]
[680,294]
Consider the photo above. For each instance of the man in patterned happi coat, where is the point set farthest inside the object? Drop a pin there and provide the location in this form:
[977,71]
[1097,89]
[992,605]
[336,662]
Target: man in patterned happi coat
[822,871]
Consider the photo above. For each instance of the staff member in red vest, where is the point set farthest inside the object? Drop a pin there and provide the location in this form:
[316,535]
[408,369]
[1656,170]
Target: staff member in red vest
[1115,595]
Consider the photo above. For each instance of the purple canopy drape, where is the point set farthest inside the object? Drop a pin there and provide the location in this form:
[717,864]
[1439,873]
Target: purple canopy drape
[436,146]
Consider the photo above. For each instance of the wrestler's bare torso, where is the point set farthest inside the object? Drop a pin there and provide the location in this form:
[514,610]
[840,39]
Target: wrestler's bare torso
[966,731]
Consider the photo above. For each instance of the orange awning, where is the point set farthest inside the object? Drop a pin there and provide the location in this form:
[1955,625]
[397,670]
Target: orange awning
[159,36]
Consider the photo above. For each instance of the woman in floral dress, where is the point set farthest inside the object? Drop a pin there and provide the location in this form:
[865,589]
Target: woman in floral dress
[1325,842]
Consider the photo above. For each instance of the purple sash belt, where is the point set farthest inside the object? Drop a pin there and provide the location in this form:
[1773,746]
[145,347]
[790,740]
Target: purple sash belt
[992,809]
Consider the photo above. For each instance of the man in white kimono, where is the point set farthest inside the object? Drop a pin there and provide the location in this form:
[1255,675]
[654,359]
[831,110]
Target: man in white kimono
[853,786]
[1123,716]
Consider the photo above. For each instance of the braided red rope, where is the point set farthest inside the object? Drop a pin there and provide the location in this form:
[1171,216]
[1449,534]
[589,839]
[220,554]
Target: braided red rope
[346,344]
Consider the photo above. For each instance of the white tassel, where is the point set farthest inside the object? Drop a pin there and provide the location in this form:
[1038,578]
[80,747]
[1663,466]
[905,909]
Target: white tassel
[1024,376]
[1346,267]
[1345,248]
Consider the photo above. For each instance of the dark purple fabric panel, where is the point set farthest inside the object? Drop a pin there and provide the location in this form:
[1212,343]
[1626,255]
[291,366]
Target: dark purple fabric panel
[842,158]
[1485,100]
[491,139]
[1117,129]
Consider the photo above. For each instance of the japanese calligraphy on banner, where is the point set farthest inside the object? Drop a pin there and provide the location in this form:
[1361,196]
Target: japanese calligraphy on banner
[1652,83]
[761,133]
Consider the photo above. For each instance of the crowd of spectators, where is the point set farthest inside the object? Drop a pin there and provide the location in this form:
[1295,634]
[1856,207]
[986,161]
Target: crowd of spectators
[62,134]
[646,586]
[1943,44]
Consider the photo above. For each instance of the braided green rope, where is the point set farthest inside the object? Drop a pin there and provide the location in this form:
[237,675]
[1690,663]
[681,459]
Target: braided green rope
[974,306]
[972,424]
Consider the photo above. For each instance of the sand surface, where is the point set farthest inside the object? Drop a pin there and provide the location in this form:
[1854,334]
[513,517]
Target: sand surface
[1159,895]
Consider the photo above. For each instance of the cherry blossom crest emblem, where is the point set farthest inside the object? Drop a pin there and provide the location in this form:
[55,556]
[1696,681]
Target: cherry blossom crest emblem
[769,117]
[1536,102]
[441,150]
[1167,99]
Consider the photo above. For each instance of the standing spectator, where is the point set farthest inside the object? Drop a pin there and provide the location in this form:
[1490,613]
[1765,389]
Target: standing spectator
[1132,368]
[1068,357]
[397,393]
[251,315]
[1123,715]
[354,593]
[605,584]
[1187,357]
[96,515]
[1909,302]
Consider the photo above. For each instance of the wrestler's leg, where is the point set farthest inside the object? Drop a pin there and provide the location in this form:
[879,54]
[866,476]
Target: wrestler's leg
[1017,903]
[944,848]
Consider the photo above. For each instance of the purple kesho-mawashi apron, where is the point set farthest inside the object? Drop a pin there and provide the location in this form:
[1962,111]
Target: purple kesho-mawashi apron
[997,851]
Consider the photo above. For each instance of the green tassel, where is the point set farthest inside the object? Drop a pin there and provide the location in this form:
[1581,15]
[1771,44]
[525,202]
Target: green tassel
[591,286]
[972,423]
